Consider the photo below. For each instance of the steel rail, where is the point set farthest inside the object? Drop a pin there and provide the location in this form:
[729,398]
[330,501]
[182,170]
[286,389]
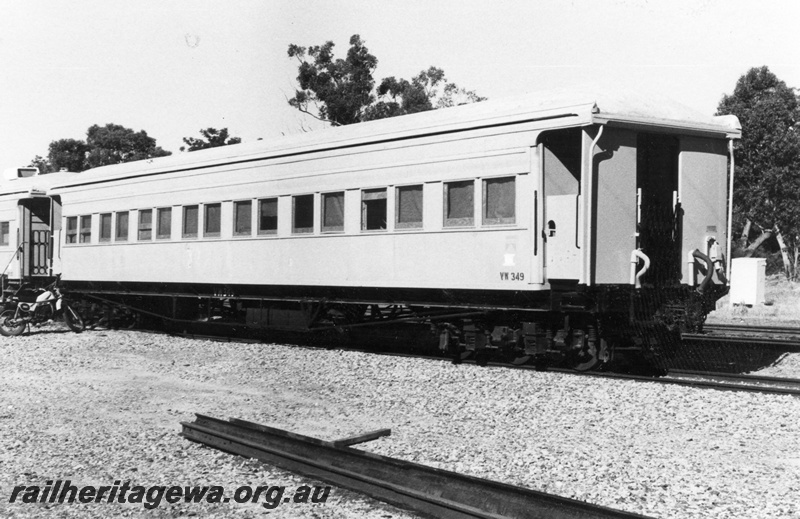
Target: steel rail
[788,383]
[779,330]
[430,491]
[698,382]
[788,345]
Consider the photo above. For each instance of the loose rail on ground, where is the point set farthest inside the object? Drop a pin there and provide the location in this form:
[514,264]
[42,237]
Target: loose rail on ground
[431,491]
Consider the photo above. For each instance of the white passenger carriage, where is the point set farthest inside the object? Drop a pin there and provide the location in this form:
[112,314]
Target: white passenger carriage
[526,224]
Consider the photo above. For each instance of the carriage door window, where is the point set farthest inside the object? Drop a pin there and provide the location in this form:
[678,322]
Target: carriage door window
[373,210]
[659,213]
[561,167]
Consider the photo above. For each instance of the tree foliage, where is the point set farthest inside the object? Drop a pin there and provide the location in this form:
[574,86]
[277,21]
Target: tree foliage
[212,138]
[69,154]
[767,176]
[340,88]
[104,145]
[342,91]
[115,144]
[426,91]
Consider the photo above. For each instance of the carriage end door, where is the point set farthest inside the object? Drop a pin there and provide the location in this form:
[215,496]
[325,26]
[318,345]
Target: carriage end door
[35,233]
[561,167]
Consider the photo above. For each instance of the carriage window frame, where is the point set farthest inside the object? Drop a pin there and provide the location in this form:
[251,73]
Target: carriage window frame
[307,214]
[164,232]
[106,227]
[71,229]
[243,227]
[5,230]
[187,231]
[145,225]
[212,223]
[85,229]
[487,204]
[267,225]
[374,207]
[459,221]
[402,221]
[331,220]
[121,225]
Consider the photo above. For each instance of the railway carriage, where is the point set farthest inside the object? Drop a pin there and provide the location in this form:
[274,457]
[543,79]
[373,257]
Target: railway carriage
[564,228]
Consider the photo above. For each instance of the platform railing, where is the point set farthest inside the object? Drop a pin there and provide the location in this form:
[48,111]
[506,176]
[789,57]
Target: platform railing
[3,276]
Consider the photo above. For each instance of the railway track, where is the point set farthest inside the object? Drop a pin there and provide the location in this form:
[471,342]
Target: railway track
[687,378]
[430,491]
[755,383]
[787,345]
[759,330]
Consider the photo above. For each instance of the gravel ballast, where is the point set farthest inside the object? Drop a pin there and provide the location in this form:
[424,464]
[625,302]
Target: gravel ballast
[101,407]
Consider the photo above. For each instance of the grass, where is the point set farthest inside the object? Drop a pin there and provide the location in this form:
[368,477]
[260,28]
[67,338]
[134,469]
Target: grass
[782,306]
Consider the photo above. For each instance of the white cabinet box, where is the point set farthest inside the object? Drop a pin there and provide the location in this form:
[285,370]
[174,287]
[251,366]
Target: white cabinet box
[748,278]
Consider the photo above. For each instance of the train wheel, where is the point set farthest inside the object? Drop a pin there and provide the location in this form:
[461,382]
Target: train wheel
[593,356]
[8,326]
[73,319]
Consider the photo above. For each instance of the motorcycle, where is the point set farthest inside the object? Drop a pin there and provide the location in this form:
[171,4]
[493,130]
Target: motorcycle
[35,307]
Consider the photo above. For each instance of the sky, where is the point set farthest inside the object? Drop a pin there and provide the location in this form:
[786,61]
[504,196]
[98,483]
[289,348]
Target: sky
[173,67]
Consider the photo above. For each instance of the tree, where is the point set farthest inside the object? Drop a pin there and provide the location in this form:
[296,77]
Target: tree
[342,91]
[69,154]
[427,90]
[109,144]
[213,138]
[115,144]
[767,176]
[340,88]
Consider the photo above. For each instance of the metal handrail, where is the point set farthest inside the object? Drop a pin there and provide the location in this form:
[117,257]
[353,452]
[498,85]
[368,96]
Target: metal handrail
[3,274]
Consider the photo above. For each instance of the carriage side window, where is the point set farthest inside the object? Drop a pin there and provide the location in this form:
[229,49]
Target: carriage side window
[242,218]
[373,210]
[145,224]
[4,233]
[459,207]
[164,223]
[211,220]
[105,227]
[190,215]
[499,197]
[86,229]
[333,212]
[408,204]
[268,216]
[122,226]
[302,214]
[72,229]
